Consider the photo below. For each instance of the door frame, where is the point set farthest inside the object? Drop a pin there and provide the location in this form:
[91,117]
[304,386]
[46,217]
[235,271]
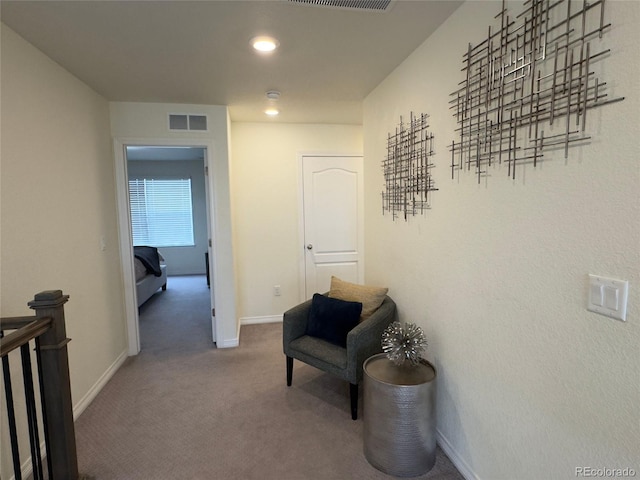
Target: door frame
[302,278]
[124,227]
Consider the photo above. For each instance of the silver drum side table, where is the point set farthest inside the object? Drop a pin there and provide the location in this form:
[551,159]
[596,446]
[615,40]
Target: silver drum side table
[399,416]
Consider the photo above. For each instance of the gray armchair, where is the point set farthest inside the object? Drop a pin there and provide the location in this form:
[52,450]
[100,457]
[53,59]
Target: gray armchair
[346,363]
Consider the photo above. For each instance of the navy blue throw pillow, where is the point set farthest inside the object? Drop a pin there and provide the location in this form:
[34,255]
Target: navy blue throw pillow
[331,319]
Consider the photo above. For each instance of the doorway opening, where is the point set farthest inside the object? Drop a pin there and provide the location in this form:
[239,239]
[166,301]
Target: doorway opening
[149,172]
[169,215]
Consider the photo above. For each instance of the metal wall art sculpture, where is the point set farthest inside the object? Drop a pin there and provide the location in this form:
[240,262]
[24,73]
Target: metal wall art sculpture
[528,86]
[407,168]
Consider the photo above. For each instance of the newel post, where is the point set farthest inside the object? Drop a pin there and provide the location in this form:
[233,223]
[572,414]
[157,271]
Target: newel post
[56,386]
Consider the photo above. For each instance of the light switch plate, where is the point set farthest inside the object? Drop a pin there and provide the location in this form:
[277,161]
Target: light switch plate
[608,296]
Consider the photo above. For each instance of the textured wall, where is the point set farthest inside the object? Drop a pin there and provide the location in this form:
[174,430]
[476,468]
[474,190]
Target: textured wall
[266,199]
[531,384]
[58,204]
[144,122]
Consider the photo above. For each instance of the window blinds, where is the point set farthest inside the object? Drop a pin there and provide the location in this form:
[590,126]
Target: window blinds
[161,212]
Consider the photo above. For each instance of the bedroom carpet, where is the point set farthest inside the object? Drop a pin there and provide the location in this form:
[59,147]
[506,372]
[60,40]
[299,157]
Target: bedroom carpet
[183,409]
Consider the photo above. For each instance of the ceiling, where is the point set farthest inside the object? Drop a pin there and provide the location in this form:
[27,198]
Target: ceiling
[198,52]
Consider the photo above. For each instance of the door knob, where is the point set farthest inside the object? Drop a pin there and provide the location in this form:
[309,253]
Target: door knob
[309,247]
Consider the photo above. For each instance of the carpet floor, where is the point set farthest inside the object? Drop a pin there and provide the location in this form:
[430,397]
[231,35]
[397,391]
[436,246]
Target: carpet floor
[183,409]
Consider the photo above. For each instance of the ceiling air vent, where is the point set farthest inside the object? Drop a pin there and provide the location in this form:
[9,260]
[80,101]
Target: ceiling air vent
[371,5]
[185,122]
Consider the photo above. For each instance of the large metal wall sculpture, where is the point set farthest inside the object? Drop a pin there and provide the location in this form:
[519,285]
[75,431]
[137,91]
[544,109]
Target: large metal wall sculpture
[529,85]
[407,168]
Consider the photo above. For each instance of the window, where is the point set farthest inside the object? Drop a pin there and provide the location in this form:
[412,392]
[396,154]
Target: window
[161,212]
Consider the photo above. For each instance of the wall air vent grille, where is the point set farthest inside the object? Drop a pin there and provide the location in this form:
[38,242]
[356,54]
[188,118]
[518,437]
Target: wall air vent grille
[178,121]
[372,5]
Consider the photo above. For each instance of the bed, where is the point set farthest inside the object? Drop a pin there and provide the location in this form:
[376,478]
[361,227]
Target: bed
[151,272]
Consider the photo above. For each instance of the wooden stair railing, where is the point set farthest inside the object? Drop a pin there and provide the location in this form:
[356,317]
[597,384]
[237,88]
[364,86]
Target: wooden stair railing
[47,329]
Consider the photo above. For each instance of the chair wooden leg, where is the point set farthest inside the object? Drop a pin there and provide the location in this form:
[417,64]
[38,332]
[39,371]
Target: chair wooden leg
[353,390]
[289,370]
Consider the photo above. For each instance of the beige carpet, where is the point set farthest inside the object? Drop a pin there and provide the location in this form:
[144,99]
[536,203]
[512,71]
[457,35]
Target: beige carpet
[183,409]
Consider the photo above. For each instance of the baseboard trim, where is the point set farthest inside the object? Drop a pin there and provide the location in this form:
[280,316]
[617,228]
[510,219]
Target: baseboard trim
[262,319]
[26,469]
[85,401]
[464,469]
[232,342]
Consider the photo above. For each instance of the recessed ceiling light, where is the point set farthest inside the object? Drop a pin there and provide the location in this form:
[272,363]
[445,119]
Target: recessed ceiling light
[272,112]
[264,44]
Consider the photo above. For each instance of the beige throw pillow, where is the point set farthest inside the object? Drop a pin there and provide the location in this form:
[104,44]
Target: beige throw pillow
[370,297]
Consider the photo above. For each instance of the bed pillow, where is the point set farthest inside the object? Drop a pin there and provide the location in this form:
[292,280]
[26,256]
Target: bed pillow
[331,319]
[370,297]
[150,258]
[140,269]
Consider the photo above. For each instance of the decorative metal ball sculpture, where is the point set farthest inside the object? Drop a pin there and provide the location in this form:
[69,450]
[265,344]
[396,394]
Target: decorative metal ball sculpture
[404,343]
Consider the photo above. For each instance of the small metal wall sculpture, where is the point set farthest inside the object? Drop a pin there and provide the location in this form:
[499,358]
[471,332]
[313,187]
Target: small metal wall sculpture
[407,168]
[531,74]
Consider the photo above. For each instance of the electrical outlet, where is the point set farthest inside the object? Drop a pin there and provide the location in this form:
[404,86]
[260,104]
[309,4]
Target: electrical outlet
[276,290]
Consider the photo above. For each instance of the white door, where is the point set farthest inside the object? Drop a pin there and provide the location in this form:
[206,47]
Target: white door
[333,220]
[210,257]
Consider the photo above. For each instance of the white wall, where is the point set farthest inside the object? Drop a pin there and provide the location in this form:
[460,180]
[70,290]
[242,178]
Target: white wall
[531,385]
[182,260]
[145,122]
[57,203]
[265,194]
